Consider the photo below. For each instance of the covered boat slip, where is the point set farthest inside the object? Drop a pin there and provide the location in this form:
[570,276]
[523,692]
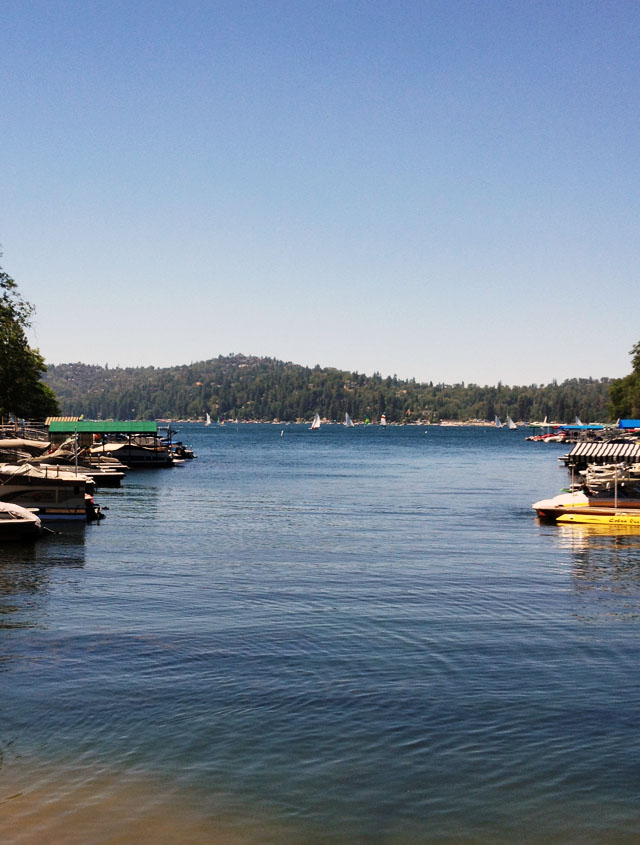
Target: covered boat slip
[133,442]
[607,491]
[59,430]
[602,452]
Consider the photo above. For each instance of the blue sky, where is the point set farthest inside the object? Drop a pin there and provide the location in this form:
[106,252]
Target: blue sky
[442,190]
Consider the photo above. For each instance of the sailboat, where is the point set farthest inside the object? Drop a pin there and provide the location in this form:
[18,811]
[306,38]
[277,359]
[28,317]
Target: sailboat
[511,425]
[315,425]
[207,420]
[383,420]
[348,421]
[497,422]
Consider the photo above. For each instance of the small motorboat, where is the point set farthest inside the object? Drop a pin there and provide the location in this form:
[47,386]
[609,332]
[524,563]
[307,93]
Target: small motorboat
[18,523]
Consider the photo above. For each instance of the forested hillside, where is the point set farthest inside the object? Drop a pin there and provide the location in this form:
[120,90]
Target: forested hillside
[263,388]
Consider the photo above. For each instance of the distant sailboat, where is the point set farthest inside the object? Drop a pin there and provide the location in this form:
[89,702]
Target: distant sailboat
[207,420]
[511,425]
[383,420]
[579,421]
[348,421]
[497,422]
[315,425]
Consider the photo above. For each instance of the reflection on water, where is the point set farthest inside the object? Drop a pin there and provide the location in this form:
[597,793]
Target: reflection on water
[342,638]
[606,569]
[576,536]
[142,491]
[25,573]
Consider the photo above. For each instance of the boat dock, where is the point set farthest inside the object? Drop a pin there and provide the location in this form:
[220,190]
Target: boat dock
[601,452]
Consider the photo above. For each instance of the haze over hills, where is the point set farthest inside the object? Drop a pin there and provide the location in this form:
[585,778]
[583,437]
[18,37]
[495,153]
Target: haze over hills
[251,388]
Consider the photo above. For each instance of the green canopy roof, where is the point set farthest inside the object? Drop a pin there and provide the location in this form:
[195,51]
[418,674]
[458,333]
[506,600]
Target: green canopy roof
[104,427]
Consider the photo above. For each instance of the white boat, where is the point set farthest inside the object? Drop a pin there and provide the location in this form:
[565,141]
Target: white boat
[207,420]
[511,425]
[497,422]
[104,472]
[348,421]
[56,494]
[383,420]
[619,479]
[18,523]
[135,455]
[605,500]
[315,425]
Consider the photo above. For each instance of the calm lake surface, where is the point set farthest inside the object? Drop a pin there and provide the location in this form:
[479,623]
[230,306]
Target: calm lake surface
[357,635]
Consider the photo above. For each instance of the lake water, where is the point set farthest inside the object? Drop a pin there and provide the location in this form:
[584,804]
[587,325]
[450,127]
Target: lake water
[357,635]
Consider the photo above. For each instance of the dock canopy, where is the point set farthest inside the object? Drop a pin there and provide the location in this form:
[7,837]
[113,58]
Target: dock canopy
[582,427]
[628,423]
[104,427]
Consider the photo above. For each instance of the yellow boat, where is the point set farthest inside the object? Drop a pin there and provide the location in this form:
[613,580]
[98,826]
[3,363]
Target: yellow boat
[626,519]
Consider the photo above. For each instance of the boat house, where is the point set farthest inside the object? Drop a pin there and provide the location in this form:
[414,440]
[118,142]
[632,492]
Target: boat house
[89,431]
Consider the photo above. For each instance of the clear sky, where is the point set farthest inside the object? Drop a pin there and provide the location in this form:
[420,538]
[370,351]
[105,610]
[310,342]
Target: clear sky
[445,190]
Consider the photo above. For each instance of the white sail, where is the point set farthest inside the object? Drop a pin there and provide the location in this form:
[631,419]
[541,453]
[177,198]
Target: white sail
[348,421]
[579,421]
[511,424]
[316,422]
[383,420]
[497,422]
[207,418]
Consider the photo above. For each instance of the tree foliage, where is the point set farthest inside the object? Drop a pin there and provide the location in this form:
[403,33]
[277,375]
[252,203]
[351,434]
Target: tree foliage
[625,392]
[245,388]
[22,392]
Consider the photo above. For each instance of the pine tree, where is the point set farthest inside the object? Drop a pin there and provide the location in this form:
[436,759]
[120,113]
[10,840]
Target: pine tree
[22,393]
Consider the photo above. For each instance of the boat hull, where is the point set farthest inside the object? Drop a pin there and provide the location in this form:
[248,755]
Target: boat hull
[55,495]
[135,457]
[580,504]
[618,518]
[17,524]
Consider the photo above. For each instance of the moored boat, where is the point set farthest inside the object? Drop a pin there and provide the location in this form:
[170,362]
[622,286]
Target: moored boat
[579,501]
[104,472]
[18,523]
[56,494]
[135,455]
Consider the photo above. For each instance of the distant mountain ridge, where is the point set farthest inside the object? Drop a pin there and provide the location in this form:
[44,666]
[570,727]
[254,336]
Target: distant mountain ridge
[251,388]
